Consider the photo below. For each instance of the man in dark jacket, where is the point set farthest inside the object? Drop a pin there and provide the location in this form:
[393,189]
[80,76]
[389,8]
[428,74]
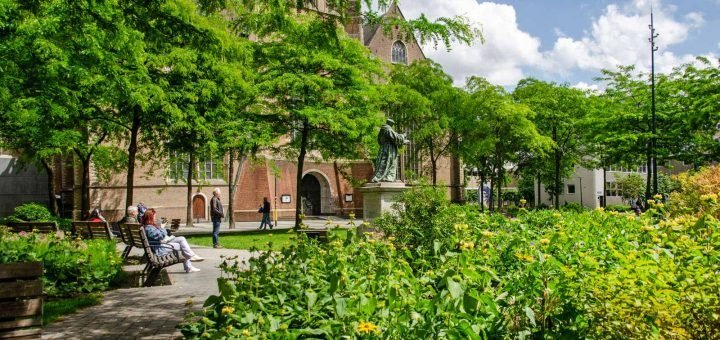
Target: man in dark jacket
[216,215]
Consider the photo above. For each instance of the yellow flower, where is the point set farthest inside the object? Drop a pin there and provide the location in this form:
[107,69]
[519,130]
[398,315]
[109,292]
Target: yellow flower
[651,201]
[227,310]
[246,332]
[657,197]
[660,205]
[544,241]
[557,214]
[229,328]
[487,233]
[647,228]
[709,198]
[367,327]
[460,226]
[466,245]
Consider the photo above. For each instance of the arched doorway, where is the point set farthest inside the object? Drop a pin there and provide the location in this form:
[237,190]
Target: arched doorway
[198,207]
[316,196]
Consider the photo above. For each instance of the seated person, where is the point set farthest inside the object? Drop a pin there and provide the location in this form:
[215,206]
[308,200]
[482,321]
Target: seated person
[157,234]
[96,216]
[130,217]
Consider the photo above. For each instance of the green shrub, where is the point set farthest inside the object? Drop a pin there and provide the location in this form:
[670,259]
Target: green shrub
[699,194]
[618,208]
[572,206]
[71,266]
[32,212]
[544,274]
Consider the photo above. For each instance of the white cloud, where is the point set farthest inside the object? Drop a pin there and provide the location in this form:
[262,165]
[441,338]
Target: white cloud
[500,58]
[619,36]
[588,87]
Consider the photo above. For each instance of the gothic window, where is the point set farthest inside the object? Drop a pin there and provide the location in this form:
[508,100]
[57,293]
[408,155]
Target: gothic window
[399,53]
[206,168]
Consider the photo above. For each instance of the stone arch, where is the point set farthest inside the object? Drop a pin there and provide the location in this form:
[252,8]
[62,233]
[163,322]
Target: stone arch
[324,195]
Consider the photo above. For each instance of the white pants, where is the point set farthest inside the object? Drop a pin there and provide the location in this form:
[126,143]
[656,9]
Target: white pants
[180,243]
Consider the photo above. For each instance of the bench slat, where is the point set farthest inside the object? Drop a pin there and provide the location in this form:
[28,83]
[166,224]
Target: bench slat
[21,270]
[30,333]
[20,289]
[21,323]
[10,309]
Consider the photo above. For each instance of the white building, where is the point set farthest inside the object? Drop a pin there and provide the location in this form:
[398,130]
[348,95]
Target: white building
[585,187]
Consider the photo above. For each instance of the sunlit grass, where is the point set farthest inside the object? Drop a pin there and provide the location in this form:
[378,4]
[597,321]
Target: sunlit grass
[259,239]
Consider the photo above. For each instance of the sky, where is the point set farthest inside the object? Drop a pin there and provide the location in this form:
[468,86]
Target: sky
[571,41]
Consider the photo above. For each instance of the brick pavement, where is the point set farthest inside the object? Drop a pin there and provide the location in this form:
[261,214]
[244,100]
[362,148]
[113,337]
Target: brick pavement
[146,312]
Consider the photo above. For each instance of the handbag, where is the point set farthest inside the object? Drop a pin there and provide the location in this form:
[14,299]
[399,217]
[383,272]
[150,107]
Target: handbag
[260,210]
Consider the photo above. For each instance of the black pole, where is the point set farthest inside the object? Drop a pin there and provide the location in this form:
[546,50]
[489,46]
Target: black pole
[653,48]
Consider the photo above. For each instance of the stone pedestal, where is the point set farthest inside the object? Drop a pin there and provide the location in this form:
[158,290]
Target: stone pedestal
[379,197]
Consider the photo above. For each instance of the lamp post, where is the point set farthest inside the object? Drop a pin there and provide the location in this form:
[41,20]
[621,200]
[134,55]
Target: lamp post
[275,210]
[653,142]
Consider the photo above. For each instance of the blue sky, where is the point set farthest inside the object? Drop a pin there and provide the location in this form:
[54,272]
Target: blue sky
[571,41]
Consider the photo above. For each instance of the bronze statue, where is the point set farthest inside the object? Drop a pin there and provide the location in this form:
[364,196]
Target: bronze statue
[386,162]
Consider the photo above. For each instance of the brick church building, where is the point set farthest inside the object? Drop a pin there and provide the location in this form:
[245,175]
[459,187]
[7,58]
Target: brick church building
[327,186]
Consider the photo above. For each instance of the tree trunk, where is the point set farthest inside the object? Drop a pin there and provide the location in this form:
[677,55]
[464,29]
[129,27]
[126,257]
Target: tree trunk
[482,191]
[231,189]
[191,168]
[539,191]
[132,152]
[433,164]
[52,202]
[557,185]
[85,186]
[233,182]
[499,188]
[298,178]
[491,198]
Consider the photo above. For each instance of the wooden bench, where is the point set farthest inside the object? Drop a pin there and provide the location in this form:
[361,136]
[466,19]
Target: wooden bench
[40,227]
[21,300]
[126,237]
[155,262]
[317,234]
[92,230]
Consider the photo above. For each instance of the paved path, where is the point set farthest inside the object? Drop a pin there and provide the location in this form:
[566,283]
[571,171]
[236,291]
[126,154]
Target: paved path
[149,312]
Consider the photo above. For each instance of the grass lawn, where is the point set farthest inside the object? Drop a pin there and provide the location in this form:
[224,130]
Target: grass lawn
[258,239]
[54,309]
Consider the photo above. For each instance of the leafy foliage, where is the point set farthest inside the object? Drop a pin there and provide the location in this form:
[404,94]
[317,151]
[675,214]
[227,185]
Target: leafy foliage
[544,274]
[71,267]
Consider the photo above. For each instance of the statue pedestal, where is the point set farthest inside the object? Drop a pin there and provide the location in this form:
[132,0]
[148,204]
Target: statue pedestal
[379,197]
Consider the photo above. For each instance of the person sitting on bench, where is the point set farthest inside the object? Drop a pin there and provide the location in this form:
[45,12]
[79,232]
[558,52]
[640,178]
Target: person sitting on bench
[158,235]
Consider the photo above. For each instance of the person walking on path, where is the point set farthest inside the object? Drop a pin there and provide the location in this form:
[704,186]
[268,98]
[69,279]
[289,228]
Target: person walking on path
[266,215]
[216,215]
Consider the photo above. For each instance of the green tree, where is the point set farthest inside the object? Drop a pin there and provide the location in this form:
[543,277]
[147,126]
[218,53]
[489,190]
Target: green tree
[558,111]
[435,137]
[62,59]
[495,130]
[321,92]
[631,185]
